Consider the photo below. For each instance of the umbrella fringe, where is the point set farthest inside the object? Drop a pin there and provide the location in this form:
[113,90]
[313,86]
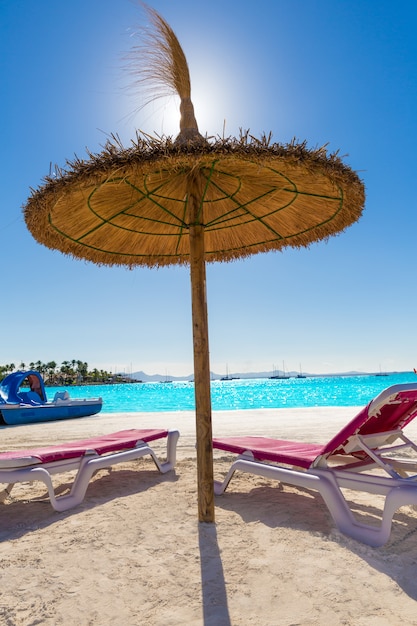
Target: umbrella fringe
[146,148]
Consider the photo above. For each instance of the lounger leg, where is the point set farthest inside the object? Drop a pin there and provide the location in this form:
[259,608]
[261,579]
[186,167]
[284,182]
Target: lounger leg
[374,536]
[37,473]
[171,454]
[91,464]
[5,493]
[172,440]
[220,487]
[326,484]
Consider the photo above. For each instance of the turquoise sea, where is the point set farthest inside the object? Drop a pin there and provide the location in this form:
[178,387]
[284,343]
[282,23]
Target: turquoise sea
[259,393]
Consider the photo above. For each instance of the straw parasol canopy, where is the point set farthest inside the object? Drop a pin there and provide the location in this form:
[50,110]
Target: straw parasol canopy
[192,200]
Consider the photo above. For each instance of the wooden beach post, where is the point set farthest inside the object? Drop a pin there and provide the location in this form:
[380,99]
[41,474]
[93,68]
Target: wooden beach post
[205,485]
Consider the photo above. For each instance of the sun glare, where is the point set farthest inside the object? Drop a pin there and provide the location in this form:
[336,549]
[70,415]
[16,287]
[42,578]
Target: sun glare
[224,96]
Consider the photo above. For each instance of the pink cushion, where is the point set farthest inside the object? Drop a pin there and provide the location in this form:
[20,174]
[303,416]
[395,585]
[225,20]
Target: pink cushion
[114,442]
[266,449]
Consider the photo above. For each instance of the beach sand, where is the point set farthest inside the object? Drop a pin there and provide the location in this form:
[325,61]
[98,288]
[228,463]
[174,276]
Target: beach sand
[134,553]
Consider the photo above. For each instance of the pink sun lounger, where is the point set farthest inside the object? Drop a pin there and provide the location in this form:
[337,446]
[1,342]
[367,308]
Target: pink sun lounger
[370,454]
[86,457]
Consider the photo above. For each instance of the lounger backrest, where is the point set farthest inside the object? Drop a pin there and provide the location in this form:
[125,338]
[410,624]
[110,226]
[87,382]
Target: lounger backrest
[391,410]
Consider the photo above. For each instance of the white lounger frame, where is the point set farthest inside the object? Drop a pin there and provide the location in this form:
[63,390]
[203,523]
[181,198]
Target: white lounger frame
[85,466]
[399,488]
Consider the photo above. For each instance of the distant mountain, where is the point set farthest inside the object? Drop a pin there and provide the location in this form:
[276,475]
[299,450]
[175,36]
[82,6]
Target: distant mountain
[157,378]
[149,378]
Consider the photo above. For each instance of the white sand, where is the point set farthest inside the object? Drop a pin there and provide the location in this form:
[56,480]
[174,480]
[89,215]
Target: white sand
[133,552]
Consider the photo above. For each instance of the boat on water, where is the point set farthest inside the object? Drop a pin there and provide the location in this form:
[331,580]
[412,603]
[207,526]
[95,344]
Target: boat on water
[167,379]
[277,376]
[23,400]
[301,375]
[227,377]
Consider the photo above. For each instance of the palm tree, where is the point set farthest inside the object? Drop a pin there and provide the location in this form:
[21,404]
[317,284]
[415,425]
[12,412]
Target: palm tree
[65,368]
[50,368]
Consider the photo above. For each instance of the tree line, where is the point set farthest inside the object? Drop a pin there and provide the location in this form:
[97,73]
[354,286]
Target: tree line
[73,372]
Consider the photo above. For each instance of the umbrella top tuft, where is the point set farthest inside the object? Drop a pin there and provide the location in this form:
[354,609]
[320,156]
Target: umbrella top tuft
[159,66]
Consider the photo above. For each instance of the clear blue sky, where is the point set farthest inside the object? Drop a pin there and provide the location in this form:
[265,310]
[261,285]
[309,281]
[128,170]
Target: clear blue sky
[342,72]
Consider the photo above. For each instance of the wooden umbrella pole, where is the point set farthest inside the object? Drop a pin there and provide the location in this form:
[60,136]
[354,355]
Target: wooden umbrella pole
[201,360]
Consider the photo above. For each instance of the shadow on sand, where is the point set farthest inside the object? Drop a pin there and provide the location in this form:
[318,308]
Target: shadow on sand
[304,510]
[213,584]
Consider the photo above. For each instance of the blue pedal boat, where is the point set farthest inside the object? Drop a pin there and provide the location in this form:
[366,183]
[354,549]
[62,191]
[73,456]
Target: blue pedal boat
[23,400]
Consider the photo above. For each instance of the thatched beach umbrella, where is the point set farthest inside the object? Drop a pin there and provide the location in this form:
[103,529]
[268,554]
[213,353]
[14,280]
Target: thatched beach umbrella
[192,200]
